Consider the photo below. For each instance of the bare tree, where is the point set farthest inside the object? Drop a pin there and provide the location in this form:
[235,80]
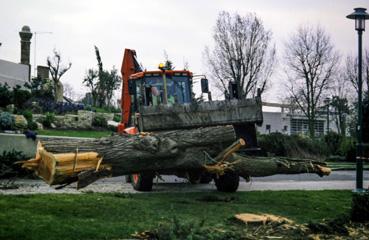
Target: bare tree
[243,53]
[90,81]
[68,91]
[311,62]
[57,71]
[351,71]
[108,81]
[341,92]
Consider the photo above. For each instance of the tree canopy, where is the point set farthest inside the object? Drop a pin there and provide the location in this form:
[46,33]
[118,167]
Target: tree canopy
[311,62]
[101,82]
[243,54]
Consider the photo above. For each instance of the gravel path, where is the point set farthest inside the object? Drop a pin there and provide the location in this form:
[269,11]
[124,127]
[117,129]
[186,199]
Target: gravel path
[344,180]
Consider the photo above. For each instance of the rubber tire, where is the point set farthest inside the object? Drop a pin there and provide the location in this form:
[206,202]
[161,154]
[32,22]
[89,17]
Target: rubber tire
[228,182]
[143,183]
[206,178]
[128,178]
[193,177]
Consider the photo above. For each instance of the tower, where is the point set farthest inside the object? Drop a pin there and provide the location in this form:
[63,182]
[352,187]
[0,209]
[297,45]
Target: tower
[25,35]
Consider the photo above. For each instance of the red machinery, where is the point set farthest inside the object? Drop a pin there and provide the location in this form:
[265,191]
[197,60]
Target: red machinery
[162,100]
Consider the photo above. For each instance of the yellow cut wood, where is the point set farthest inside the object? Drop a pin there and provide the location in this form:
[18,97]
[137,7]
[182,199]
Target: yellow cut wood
[250,218]
[57,168]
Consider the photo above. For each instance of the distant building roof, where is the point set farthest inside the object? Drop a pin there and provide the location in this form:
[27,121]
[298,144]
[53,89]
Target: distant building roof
[14,73]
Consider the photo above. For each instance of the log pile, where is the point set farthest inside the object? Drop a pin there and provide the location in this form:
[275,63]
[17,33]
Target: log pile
[62,161]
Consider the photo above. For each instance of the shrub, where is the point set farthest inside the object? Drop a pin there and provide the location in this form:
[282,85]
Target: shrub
[20,122]
[7,166]
[333,141]
[41,88]
[291,146]
[348,149]
[49,105]
[6,121]
[117,118]
[20,96]
[5,95]
[107,109]
[11,108]
[273,143]
[65,107]
[28,115]
[99,121]
[49,119]
[32,125]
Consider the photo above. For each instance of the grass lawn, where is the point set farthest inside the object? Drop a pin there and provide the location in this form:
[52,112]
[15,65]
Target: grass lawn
[75,133]
[116,216]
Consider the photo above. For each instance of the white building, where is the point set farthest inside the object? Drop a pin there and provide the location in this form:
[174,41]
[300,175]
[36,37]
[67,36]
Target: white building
[13,73]
[292,122]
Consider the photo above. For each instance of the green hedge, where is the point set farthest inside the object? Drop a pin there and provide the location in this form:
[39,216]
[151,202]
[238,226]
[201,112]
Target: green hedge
[7,167]
[279,144]
[332,144]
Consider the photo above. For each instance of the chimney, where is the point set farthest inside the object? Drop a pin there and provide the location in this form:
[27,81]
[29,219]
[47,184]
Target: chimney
[25,35]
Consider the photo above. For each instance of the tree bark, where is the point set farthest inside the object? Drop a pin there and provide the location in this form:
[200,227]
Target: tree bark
[263,166]
[179,149]
[201,149]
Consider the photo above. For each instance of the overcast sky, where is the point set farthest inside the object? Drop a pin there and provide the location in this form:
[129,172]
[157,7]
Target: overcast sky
[181,28]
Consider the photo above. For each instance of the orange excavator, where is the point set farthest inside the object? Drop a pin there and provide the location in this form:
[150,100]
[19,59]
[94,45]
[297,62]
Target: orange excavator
[162,100]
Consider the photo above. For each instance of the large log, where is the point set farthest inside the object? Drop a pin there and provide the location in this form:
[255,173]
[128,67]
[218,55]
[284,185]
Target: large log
[179,150]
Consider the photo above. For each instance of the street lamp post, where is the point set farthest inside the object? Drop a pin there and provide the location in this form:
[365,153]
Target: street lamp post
[360,15]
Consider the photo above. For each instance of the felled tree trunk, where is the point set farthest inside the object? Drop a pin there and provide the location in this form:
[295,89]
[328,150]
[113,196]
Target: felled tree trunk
[180,150]
[59,90]
[251,166]
[263,166]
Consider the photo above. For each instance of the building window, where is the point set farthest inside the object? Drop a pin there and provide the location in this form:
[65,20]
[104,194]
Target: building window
[299,126]
[268,128]
[285,128]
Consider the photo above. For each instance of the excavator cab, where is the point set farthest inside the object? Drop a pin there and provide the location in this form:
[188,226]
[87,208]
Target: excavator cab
[148,88]
[153,89]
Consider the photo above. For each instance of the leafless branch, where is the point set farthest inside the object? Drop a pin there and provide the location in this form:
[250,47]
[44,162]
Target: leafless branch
[243,53]
[311,62]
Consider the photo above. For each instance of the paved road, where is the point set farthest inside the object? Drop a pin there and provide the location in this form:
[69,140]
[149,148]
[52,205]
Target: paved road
[337,180]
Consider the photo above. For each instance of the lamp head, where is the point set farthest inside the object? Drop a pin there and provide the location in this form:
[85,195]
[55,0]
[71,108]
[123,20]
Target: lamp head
[360,15]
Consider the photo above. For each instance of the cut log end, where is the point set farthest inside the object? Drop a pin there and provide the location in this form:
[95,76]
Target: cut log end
[323,171]
[63,168]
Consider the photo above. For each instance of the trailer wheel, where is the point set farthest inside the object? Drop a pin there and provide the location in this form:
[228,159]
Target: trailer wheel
[206,178]
[228,182]
[128,178]
[193,177]
[142,182]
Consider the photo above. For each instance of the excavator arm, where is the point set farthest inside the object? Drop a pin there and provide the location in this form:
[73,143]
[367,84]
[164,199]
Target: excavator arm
[130,66]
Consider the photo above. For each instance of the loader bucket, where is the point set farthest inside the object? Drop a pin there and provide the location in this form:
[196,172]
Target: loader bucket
[213,113]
